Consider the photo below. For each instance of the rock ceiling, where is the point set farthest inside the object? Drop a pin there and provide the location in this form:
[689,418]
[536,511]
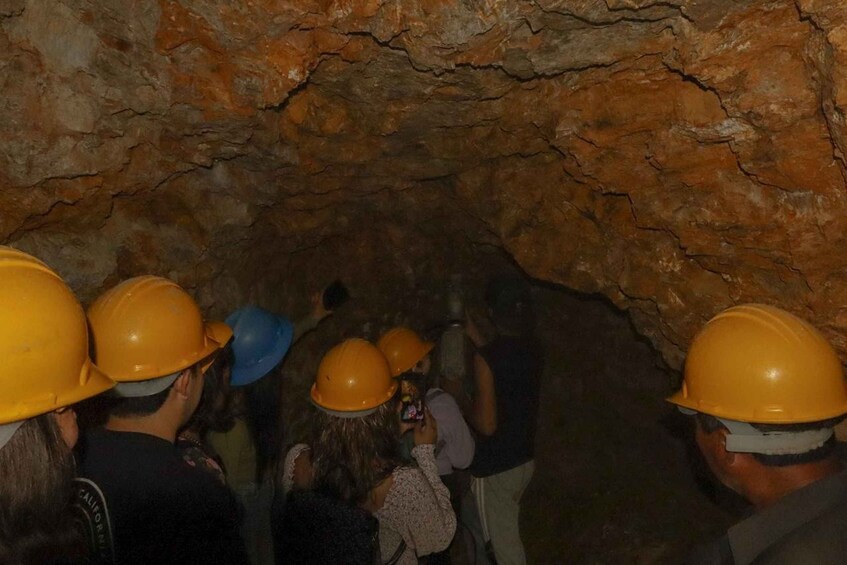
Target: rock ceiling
[675,156]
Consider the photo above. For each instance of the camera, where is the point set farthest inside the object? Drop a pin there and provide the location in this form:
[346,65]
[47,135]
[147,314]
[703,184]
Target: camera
[411,409]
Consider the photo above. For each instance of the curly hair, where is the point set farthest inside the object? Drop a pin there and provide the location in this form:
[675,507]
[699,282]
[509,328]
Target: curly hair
[35,495]
[351,456]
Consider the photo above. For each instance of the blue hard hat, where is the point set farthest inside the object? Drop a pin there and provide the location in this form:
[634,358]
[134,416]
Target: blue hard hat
[260,341]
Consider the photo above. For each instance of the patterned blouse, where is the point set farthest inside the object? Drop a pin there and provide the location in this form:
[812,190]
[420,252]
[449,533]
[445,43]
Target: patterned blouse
[198,455]
[417,508]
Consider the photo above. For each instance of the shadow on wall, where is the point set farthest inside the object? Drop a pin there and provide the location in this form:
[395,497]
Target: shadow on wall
[618,478]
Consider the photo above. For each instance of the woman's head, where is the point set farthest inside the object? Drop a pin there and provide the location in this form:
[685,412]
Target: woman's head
[356,427]
[352,455]
[37,470]
[45,370]
[353,380]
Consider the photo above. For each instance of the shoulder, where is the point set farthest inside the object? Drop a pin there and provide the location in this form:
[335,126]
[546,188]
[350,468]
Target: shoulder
[821,541]
[296,467]
[441,400]
[126,455]
[408,486]
[444,408]
[292,456]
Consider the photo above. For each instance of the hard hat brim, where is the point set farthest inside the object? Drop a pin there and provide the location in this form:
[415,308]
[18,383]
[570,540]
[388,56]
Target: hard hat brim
[93,381]
[137,389]
[220,332]
[681,400]
[98,382]
[8,430]
[371,405]
[397,371]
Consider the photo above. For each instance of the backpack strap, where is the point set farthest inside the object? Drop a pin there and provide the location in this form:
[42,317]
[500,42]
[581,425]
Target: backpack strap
[401,547]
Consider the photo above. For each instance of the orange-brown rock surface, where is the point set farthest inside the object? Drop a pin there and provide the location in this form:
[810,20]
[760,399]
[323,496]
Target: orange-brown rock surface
[677,157]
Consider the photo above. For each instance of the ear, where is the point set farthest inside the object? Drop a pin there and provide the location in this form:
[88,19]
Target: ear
[726,458]
[182,384]
[713,447]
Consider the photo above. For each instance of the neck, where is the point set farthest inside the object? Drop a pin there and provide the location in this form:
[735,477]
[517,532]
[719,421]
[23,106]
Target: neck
[776,482]
[154,425]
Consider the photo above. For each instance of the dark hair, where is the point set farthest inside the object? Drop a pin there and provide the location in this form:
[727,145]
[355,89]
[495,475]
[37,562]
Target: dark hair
[351,456]
[146,405]
[710,424]
[421,381]
[37,471]
[215,409]
[140,405]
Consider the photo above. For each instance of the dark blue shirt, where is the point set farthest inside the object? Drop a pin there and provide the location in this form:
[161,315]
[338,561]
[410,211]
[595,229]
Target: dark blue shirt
[516,364]
[162,510]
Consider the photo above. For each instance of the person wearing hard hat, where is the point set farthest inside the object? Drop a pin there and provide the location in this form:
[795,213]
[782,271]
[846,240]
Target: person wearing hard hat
[213,412]
[354,459]
[409,358]
[149,337]
[765,389]
[260,341]
[44,370]
[504,413]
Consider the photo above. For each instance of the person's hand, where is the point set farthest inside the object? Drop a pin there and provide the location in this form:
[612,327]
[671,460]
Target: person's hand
[303,471]
[426,431]
[404,426]
[318,310]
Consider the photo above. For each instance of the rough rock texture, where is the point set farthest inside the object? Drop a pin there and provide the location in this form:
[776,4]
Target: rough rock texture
[676,156]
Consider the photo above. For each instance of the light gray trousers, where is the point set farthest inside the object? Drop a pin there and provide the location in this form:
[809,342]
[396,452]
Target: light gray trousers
[490,513]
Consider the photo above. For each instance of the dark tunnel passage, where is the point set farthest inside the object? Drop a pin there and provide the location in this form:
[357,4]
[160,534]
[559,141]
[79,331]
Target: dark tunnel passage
[618,478]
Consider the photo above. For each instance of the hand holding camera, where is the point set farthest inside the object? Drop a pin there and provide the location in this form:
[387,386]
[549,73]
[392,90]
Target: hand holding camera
[426,430]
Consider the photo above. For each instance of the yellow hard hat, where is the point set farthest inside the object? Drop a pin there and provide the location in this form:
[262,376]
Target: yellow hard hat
[44,363]
[353,380]
[403,348]
[149,327]
[221,333]
[759,364]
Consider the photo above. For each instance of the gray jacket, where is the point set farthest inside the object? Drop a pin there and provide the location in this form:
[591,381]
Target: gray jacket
[806,527]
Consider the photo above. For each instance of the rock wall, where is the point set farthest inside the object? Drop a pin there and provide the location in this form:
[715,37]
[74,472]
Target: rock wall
[677,157]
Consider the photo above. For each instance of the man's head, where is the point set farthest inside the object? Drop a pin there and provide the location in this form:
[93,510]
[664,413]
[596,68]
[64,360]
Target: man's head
[179,400]
[766,389]
[150,336]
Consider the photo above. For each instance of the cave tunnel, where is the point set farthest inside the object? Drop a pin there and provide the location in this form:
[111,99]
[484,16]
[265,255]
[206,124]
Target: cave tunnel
[644,164]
